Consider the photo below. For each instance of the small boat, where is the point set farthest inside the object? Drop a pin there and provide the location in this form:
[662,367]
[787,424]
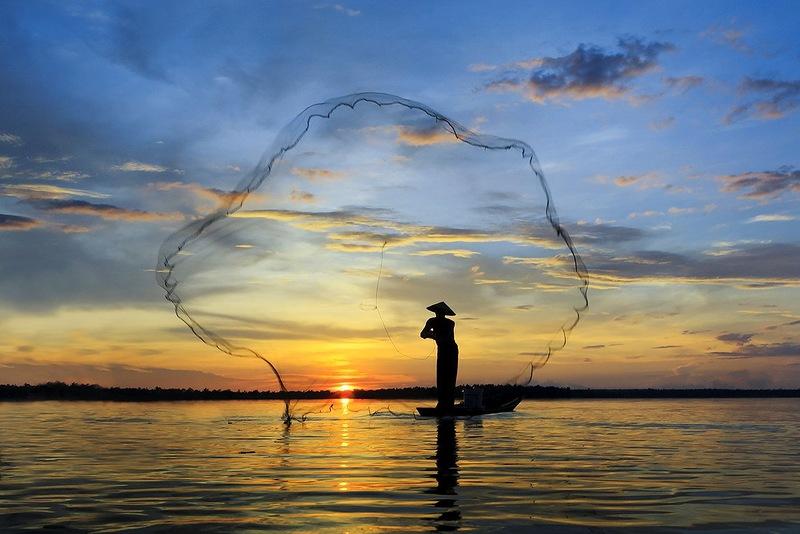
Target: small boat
[459,410]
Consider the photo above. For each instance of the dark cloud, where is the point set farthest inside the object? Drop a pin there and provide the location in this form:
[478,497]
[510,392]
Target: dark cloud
[771,99]
[104,211]
[592,233]
[124,376]
[588,72]
[767,350]
[753,266]
[762,185]
[10,223]
[43,270]
[131,43]
[667,347]
[588,347]
[736,338]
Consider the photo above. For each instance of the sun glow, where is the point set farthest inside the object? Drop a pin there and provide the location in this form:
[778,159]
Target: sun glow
[345,390]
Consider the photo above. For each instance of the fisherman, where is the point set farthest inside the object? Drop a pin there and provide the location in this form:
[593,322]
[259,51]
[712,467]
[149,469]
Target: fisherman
[442,330]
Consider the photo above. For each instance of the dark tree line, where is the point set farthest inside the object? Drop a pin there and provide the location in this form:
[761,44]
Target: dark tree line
[62,391]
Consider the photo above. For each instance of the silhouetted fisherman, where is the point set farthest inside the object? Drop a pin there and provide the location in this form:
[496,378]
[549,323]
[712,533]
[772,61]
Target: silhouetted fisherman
[442,330]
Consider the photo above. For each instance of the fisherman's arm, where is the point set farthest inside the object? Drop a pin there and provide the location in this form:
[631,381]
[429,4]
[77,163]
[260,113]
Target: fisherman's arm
[427,331]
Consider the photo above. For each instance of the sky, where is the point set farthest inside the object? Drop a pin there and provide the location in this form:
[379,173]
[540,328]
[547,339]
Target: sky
[667,134]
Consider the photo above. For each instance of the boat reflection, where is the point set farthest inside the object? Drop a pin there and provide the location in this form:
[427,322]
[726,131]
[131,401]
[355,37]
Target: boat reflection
[448,514]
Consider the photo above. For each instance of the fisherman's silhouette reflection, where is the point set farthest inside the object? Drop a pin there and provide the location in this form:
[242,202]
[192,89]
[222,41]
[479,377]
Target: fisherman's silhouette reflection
[448,519]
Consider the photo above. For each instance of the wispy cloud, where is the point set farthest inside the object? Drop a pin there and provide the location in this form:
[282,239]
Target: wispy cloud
[728,36]
[684,83]
[455,252]
[772,99]
[762,185]
[771,217]
[138,166]
[340,8]
[104,211]
[589,71]
[10,139]
[303,197]
[662,124]
[316,174]
[217,196]
[46,191]
[10,223]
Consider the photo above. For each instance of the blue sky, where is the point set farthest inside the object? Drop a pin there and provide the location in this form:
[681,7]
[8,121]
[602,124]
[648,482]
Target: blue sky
[675,122]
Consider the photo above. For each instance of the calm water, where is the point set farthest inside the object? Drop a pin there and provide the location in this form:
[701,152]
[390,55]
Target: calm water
[727,465]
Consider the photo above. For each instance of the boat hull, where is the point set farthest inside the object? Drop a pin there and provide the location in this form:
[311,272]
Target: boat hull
[461,411]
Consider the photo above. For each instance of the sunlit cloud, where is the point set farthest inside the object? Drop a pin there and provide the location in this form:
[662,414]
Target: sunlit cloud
[771,99]
[589,71]
[46,192]
[216,196]
[105,211]
[455,252]
[138,166]
[314,174]
[12,223]
[771,217]
[763,185]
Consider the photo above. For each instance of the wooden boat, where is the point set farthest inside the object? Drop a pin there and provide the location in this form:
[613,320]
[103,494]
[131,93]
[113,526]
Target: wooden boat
[459,410]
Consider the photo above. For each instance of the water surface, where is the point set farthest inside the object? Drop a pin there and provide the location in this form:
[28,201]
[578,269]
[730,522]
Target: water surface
[578,465]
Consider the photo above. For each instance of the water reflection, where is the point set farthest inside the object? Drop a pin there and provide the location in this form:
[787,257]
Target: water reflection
[448,514]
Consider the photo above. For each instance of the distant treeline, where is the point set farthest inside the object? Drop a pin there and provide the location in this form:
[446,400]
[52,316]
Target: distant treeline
[62,391]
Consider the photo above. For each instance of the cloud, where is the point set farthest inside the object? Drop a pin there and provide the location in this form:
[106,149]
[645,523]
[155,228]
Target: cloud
[481,67]
[59,176]
[662,124]
[414,136]
[213,194]
[10,139]
[314,174]
[364,230]
[302,196]
[645,213]
[735,338]
[747,350]
[456,252]
[44,270]
[751,267]
[46,192]
[340,9]
[762,185]
[10,223]
[118,375]
[138,166]
[104,211]
[684,83]
[588,72]
[772,217]
[649,180]
[590,347]
[774,99]
[424,137]
[6,162]
[729,36]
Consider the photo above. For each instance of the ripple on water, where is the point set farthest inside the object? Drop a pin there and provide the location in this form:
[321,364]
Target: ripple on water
[565,466]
